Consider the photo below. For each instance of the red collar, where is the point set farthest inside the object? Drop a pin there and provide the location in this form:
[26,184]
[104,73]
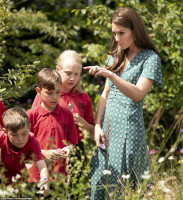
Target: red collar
[43,111]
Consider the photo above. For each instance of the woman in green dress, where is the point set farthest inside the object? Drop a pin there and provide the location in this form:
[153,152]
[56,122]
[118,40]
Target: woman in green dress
[133,66]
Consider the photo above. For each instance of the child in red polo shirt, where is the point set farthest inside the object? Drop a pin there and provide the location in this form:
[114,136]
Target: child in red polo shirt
[2,110]
[69,65]
[52,124]
[18,146]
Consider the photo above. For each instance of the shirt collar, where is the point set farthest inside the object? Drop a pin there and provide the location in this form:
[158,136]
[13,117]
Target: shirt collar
[43,111]
[10,150]
[71,93]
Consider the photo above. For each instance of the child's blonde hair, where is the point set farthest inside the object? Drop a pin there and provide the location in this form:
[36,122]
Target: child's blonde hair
[47,78]
[74,57]
[15,119]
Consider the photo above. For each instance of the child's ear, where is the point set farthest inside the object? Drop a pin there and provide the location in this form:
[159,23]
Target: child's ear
[57,68]
[4,131]
[38,90]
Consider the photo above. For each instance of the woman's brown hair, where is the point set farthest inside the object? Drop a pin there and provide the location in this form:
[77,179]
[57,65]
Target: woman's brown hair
[129,18]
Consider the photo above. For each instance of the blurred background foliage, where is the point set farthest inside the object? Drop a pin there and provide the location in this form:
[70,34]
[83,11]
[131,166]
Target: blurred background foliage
[34,32]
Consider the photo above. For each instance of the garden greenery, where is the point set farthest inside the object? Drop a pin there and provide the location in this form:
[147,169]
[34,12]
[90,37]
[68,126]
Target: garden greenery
[33,34]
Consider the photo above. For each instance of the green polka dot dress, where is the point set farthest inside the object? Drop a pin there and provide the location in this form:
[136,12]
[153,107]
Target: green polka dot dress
[123,122]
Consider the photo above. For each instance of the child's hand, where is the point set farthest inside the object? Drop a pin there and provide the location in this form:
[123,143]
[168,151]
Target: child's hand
[78,119]
[51,154]
[65,152]
[43,185]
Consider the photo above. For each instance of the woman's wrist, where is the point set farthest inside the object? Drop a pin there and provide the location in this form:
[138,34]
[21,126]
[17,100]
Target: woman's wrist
[110,74]
[97,124]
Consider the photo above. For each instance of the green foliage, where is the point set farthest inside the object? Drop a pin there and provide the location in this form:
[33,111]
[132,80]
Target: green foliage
[37,31]
[11,80]
[4,13]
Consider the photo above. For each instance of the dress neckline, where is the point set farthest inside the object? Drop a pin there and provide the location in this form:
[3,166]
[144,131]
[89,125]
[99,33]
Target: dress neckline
[132,61]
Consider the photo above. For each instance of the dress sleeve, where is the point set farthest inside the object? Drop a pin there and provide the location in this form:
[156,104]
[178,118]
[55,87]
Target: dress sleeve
[152,69]
[109,62]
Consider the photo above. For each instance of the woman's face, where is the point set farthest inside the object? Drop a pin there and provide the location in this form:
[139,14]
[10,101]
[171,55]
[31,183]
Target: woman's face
[123,36]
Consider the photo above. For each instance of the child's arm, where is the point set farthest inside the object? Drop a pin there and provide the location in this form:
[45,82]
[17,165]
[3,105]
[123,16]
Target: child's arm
[86,125]
[51,154]
[43,174]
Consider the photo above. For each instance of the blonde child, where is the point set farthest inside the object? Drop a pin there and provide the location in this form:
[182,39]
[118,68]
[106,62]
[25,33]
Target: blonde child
[69,65]
[16,143]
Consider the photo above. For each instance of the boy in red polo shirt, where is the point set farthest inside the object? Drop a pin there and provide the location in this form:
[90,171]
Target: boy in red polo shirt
[52,125]
[18,146]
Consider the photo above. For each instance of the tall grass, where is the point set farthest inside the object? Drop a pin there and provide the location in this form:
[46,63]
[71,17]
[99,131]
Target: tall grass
[166,175]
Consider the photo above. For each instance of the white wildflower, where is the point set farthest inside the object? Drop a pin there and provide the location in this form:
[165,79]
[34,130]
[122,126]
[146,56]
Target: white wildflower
[171,158]
[3,193]
[139,191]
[165,174]
[106,172]
[10,190]
[13,179]
[149,194]
[163,188]
[18,176]
[166,190]
[146,175]
[16,191]
[126,176]
[28,165]
[23,185]
[161,159]
[161,183]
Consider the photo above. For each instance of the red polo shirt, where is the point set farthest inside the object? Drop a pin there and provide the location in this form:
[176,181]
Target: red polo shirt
[82,106]
[51,130]
[2,110]
[14,161]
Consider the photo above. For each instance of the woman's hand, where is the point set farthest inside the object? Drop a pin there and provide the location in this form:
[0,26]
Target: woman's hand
[100,137]
[98,71]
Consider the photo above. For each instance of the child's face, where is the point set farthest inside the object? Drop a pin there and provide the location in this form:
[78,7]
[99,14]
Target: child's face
[19,139]
[70,73]
[50,98]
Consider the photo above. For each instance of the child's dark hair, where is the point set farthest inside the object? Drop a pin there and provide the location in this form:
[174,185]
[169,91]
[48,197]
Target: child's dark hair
[15,119]
[47,78]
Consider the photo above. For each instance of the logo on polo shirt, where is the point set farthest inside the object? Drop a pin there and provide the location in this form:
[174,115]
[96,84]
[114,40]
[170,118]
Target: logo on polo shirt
[81,107]
[64,126]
